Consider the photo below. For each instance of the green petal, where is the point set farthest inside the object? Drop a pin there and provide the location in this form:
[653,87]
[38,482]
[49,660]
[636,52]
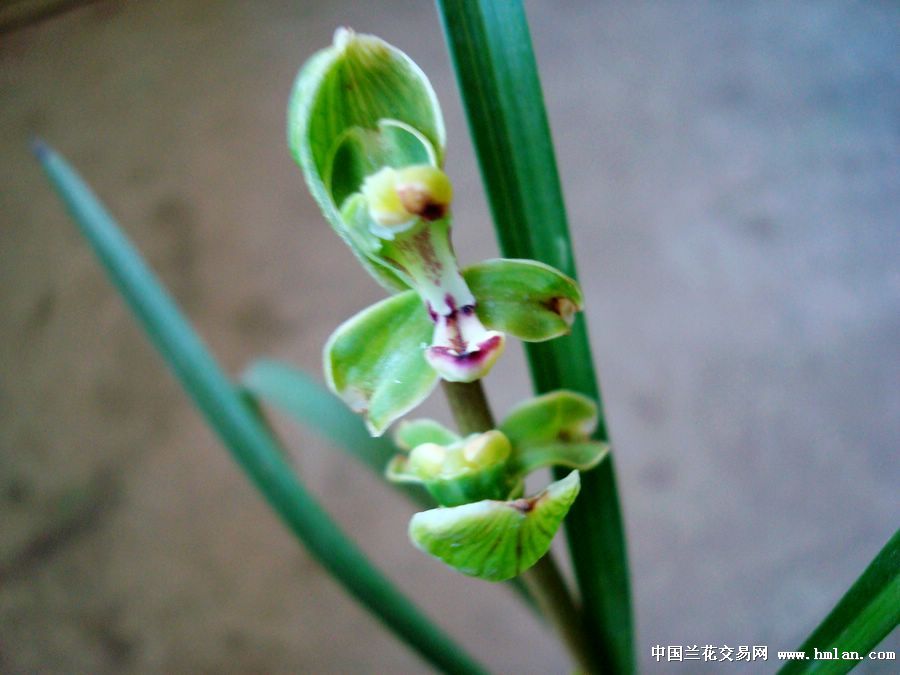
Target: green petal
[553,430]
[375,362]
[583,456]
[558,416]
[495,540]
[398,472]
[411,433]
[362,152]
[459,472]
[358,82]
[525,298]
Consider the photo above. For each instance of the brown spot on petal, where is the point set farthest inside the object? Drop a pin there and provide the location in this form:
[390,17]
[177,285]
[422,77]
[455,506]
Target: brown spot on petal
[565,308]
[524,505]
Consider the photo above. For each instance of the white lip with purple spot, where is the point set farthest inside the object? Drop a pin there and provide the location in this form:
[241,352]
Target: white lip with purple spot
[462,349]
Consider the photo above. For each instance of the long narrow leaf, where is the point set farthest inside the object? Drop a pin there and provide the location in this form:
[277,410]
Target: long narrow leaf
[863,618]
[491,49]
[240,430]
[308,402]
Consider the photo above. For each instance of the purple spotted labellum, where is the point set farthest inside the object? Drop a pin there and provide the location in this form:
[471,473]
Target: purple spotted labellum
[462,348]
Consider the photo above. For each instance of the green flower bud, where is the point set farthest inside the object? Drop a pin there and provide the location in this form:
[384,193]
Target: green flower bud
[427,460]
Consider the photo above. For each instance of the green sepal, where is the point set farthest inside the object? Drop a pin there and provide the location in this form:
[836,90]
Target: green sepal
[355,218]
[410,433]
[357,83]
[375,360]
[495,540]
[525,298]
[582,456]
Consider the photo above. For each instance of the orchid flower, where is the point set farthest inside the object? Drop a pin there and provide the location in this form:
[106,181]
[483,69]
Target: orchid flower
[366,128]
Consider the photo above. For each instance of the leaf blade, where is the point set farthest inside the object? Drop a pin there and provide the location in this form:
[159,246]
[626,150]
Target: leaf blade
[240,430]
[862,618]
[302,398]
[490,47]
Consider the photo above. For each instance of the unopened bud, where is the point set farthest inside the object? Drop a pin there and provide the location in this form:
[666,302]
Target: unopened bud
[565,308]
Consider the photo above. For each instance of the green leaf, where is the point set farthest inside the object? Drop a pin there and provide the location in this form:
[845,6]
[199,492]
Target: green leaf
[495,540]
[241,431]
[375,360]
[309,403]
[863,618]
[491,50]
[359,83]
[524,298]
[411,433]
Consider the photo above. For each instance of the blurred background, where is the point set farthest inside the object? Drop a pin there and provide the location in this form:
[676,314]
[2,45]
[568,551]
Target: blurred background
[733,180]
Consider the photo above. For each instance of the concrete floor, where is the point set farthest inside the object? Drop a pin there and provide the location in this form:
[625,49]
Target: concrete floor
[732,178]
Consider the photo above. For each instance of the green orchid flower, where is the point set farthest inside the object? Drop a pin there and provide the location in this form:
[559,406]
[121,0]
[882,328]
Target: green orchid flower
[484,526]
[366,128]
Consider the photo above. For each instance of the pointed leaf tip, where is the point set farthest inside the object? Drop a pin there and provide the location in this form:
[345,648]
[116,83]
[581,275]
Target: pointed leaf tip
[39,149]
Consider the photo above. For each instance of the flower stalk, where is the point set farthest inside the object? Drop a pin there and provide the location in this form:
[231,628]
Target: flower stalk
[472,414]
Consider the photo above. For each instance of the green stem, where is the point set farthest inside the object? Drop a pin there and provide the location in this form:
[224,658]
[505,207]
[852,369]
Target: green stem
[472,413]
[547,585]
[469,406]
